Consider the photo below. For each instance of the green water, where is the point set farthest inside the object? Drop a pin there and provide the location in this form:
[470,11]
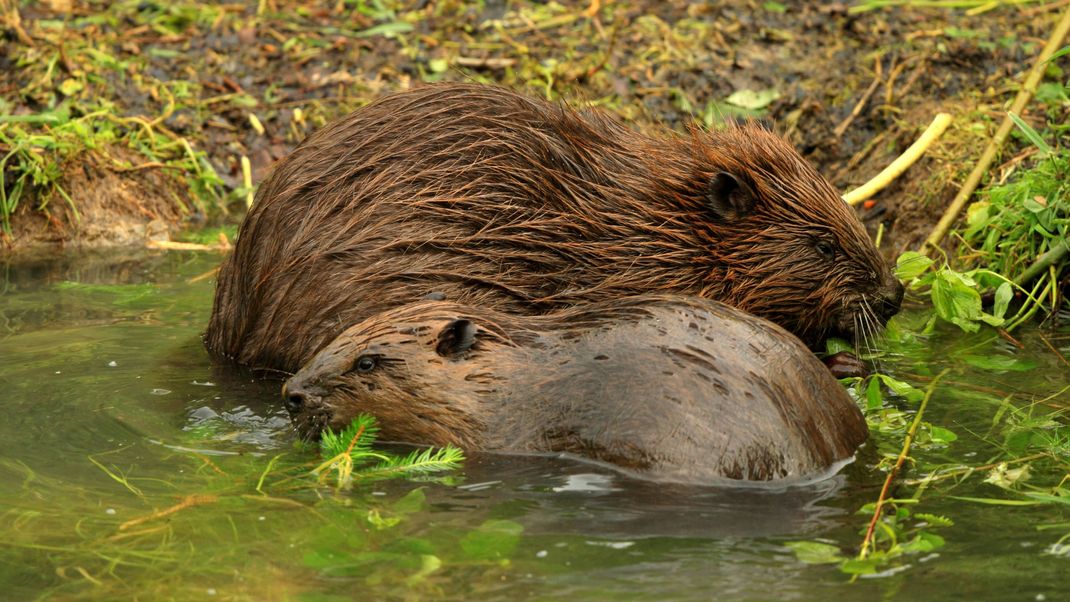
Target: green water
[131,467]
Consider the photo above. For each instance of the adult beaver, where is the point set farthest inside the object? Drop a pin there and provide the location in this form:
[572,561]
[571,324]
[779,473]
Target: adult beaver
[505,201]
[675,388]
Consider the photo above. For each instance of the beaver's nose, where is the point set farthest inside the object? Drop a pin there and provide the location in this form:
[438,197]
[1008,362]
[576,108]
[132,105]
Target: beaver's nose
[296,397]
[891,300]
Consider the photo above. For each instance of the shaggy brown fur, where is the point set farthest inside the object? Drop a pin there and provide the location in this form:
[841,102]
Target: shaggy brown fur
[505,201]
[677,388]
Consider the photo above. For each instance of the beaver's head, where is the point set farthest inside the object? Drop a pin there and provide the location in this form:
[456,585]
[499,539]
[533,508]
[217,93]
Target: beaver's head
[404,367]
[785,246]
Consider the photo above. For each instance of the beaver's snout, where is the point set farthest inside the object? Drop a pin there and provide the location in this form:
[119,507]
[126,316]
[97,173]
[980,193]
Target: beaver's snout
[298,396]
[891,300]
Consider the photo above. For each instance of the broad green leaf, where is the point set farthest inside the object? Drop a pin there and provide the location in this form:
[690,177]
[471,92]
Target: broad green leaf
[834,345]
[902,388]
[414,501]
[955,300]
[749,99]
[1004,294]
[923,542]
[494,539]
[941,435]
[815,552]
[874,399]
[860,566]
[998,362]
[911,265]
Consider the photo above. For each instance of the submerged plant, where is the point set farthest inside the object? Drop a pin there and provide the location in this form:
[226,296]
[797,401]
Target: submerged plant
[349,454]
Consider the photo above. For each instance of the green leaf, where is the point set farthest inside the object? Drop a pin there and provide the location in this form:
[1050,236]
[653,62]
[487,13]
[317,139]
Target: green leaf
[902,388]
[387,30]
[1043,497]
[414,501]
[164,53]
[1030,133]
[774,7]
[494,539]
[989,501]
[749,99]
[874,399]
[941,435]
[815,552]
[1004,294]
[911,265]
[923,542]
[377,520]
[1065,50]
[834,345]
[956,300]
[998,362]
[71,86]
[57,116]
[861,566]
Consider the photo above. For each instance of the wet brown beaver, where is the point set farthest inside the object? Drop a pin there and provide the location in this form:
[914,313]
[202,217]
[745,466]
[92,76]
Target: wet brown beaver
[675,388]
[504,201]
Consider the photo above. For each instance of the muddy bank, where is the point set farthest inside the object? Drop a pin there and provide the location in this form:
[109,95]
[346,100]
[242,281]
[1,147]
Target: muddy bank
[850,89]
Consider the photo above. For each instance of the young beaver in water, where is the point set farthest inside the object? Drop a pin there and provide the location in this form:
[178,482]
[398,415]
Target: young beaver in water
[500,200]
[675,388]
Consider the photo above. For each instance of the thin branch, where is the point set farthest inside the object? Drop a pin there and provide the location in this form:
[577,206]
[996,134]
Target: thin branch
[867,542]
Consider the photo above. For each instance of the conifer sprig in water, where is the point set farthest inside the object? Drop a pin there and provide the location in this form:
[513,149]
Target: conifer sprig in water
[348,450]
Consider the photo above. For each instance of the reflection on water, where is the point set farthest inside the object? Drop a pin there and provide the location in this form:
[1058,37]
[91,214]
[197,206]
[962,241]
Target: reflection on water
[131,466]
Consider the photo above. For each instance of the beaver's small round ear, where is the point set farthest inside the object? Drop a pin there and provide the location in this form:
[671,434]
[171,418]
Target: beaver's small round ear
[729,197]
[456,338]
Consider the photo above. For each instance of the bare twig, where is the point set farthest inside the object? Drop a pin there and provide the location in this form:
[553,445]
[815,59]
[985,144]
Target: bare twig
[1059,355]
[187,502]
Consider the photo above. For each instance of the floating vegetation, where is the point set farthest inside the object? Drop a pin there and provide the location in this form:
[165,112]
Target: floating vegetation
[350,456]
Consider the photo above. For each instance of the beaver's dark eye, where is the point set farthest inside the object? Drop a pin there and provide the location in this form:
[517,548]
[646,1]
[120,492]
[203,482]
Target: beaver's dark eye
[825,249]
[365,364]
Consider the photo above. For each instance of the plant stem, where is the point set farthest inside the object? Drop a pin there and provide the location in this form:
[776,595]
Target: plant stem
[1051,257]
[867,542]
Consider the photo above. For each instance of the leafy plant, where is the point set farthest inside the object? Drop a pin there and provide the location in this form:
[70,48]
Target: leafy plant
[956,296]
[350,452]
[1021,228]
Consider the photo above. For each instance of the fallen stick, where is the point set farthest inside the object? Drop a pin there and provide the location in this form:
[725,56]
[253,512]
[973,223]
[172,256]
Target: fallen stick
[902,162]
[989,155]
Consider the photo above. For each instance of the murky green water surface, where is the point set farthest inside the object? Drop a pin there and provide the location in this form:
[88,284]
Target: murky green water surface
[130,466]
